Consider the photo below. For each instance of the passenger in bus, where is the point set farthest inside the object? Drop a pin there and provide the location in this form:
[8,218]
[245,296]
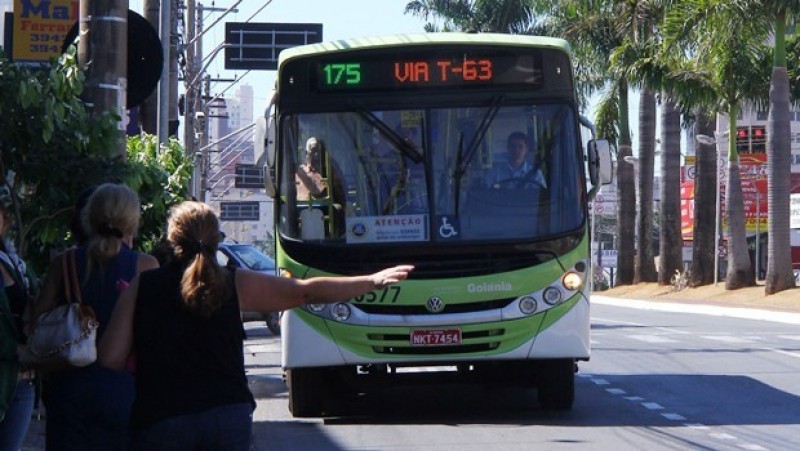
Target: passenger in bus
[309,182]
[188,336]
[520,171]
[312,180]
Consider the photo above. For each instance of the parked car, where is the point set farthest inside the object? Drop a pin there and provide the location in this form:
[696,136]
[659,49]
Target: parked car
[236,255]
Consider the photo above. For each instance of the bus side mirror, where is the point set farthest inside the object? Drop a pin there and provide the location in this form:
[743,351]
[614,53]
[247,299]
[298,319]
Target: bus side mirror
[599,153]
[264,145]
[261,152]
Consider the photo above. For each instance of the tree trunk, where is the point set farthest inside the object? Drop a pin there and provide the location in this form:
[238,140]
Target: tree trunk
[779,154]
[740,270]
[645,265]
[626,196]
[705,198]
[670,240]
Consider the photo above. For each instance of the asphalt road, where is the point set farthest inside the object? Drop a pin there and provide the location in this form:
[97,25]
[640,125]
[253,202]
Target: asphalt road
[661,377]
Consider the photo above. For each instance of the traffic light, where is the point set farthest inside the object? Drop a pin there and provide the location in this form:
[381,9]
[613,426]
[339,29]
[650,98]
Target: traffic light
[758,139]
[743,139]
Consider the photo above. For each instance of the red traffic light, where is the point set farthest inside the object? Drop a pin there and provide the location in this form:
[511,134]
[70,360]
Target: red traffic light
[742,133]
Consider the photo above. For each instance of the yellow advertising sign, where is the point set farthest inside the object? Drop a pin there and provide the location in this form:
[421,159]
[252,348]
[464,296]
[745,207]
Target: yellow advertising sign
[40,27]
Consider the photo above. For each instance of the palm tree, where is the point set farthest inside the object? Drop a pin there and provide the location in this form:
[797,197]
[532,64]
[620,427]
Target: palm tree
[503,16]
[634,23]
[670,239]
[779,260]
[595,29]
[705,193]
[683,92]
[723,38]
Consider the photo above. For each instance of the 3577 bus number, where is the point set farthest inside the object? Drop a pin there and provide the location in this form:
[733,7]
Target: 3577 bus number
[388,295]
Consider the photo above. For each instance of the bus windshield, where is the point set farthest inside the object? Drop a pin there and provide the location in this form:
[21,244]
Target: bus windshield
[496,172]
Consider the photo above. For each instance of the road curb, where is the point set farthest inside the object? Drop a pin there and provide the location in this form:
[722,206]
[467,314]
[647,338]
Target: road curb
[702,309]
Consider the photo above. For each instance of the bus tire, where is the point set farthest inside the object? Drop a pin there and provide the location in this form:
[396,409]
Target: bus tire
[556,385]
[306,392]
[273,321]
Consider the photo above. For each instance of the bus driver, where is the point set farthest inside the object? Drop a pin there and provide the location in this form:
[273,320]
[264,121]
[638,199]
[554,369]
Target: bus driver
[518,172]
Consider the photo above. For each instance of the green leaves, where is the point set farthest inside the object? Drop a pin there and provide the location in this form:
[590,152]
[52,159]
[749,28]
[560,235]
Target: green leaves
[55,149]
[160,174]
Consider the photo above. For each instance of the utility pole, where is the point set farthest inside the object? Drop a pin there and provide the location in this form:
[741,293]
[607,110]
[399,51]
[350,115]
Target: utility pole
[103,53]
[165,30]
[174,116]
[190,100]
[196,103]
[204,162]
[148,108]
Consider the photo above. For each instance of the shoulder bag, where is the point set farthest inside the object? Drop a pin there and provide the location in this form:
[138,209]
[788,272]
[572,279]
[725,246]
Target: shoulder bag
[64,336]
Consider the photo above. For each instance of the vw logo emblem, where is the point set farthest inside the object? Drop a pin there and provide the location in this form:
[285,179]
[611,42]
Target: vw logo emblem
[435,304]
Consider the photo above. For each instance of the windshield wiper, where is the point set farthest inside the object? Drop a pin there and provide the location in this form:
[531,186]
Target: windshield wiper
[405,147]
[487,119]
[459,173]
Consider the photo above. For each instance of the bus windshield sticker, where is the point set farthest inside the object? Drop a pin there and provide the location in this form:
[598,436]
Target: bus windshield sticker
[387,229]
[448,227]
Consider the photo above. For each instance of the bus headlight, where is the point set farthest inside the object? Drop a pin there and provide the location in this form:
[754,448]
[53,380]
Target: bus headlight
[552,295]
[316,308]
[572,281]
[340,312]
[527,305]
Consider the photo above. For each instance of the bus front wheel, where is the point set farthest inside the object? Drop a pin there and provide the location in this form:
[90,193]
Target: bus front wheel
[556,385]
[305,392]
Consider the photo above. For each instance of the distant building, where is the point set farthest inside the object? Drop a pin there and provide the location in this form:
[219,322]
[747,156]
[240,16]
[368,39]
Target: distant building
[246,213]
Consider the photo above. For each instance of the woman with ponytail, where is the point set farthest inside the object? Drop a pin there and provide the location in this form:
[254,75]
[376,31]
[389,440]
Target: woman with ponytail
[183,321]
[89,407]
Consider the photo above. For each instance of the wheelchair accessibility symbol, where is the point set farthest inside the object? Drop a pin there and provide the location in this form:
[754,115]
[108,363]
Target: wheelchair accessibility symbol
[447,230]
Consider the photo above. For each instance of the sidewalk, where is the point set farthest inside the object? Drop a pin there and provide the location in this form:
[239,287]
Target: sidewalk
[709,295]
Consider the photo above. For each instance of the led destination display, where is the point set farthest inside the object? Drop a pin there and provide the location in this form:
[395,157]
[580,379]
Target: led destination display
[431,69]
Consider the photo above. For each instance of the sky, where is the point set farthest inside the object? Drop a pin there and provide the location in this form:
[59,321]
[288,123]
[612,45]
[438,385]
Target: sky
[340,19]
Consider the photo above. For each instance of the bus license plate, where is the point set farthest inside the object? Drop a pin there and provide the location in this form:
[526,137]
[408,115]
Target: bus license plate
[435,337]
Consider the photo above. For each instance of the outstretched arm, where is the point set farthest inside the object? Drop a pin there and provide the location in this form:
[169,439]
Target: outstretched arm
[260,292]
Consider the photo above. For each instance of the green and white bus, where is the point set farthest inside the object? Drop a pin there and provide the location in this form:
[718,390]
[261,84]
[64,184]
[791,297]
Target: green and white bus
[405,141]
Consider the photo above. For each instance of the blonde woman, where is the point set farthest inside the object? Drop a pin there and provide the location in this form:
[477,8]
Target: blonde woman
[89,408]
[188,335]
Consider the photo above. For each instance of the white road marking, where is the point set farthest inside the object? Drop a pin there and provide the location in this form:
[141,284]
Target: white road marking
[258,349]
[652,406]
[722,436]
[652,338]
[733,312]
[727,338]
[673,416]
[752,447]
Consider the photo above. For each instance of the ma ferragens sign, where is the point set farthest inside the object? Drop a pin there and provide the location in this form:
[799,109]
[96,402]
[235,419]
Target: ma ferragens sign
[40,27]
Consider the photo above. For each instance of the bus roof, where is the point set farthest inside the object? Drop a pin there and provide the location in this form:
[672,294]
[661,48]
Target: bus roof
[422,39]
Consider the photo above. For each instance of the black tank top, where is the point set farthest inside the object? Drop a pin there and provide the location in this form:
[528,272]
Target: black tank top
[185,363]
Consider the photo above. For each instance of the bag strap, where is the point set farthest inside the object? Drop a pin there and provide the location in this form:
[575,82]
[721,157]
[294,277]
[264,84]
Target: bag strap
[65,276]
[73,267]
